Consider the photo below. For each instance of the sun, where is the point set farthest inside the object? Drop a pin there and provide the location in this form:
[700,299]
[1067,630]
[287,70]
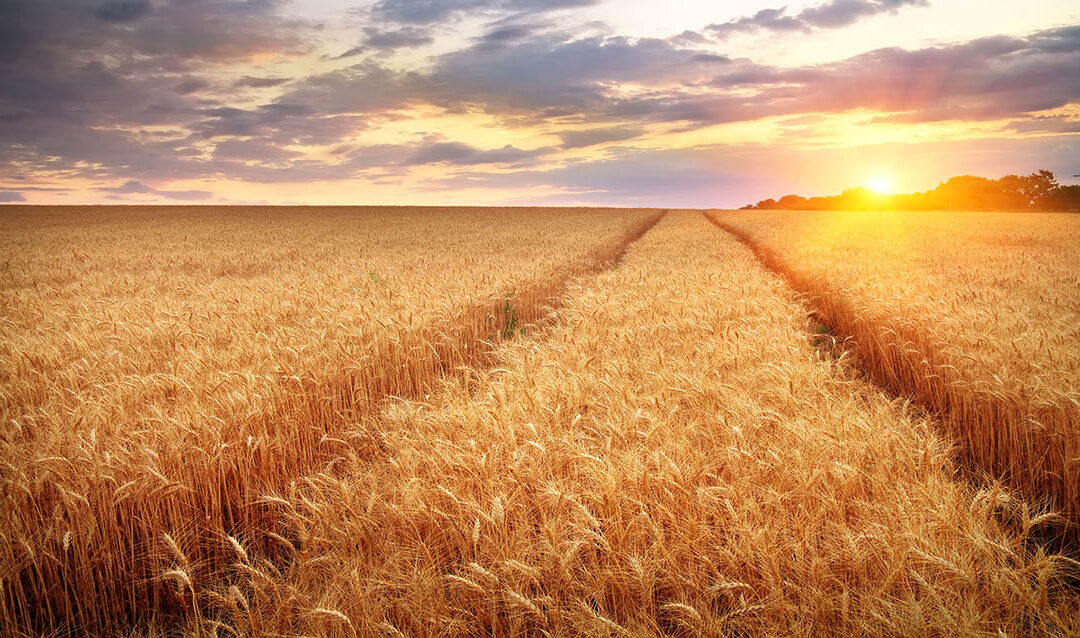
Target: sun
[880,184]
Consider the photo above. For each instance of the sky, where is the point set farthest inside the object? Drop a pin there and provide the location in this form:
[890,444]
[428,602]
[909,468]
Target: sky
[527,102]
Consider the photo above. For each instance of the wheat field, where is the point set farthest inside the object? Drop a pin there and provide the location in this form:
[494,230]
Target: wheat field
[974,315]
[163,368]
[421,422]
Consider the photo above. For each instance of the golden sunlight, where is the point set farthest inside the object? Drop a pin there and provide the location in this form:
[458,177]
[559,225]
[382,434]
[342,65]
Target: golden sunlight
[880,184]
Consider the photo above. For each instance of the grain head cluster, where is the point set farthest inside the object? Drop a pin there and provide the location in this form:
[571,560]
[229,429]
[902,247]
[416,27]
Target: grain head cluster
[673,458]
[974,315]
[444,422]
[162,368]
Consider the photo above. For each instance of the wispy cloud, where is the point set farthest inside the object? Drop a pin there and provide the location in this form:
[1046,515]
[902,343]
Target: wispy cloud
[138,188]
[434,11]
[831,15]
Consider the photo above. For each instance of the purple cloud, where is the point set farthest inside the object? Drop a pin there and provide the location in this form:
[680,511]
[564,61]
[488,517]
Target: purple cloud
[831,15]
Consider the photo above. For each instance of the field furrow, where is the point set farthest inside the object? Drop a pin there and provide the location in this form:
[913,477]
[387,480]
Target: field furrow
[673,457]
[146,410]
[974,316]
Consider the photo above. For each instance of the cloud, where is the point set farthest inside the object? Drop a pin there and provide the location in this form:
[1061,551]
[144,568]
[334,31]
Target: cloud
[11,196]
[133,187]
[80,81]
[126,188]
[436,11]
[663,178]
[729,176]
[457,153]
[362,88]
[831,15]
[165,35]
[552,74]
[591,137]
[983,79]
[260,83]
[351,53]
[393,39]
[548,75]
[283,122]
[130,93]
[123,10]
[253,150]
[1045,124]
[191,85]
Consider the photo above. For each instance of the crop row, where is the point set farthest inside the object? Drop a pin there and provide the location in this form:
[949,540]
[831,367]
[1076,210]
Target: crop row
[161,372]
[673,457]
[973,316]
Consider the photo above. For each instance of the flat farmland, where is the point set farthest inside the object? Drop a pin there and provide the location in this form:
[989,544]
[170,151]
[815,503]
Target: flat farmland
[534,421]
[164,367]
[974,315]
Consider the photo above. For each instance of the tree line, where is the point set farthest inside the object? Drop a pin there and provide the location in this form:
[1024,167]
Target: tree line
[1038,191]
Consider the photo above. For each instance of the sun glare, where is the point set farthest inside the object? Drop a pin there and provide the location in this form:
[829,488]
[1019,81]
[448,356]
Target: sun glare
[879,184]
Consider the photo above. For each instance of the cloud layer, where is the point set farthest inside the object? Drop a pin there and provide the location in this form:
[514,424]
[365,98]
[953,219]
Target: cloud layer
[831,15]
[133,94]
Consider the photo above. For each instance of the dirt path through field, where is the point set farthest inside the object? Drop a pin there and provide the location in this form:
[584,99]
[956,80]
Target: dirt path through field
[182,529]
[907,366]
[671,457]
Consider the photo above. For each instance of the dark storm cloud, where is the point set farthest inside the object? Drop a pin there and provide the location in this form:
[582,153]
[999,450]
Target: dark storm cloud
[11,196]
[831,15]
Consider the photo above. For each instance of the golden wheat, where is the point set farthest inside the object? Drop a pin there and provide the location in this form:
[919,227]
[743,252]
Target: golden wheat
[674,457]
[975,315]
[162,368]
[313,421]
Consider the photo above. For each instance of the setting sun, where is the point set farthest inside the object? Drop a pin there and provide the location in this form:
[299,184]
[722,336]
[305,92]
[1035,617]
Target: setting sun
[880,184]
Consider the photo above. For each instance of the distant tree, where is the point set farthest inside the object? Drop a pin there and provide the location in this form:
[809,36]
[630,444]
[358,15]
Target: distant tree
[791,202]
[1038,185]
[965,192]
[1016,187]
[1062,198]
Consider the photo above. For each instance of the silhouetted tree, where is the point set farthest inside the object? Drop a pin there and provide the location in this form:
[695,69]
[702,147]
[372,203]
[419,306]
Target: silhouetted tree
[1062,198]
[965,192]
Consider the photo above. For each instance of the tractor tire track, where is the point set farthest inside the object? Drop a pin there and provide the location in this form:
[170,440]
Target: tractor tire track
[996,439]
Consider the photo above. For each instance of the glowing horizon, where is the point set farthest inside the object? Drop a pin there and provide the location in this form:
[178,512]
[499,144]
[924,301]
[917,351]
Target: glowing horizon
[605,102]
